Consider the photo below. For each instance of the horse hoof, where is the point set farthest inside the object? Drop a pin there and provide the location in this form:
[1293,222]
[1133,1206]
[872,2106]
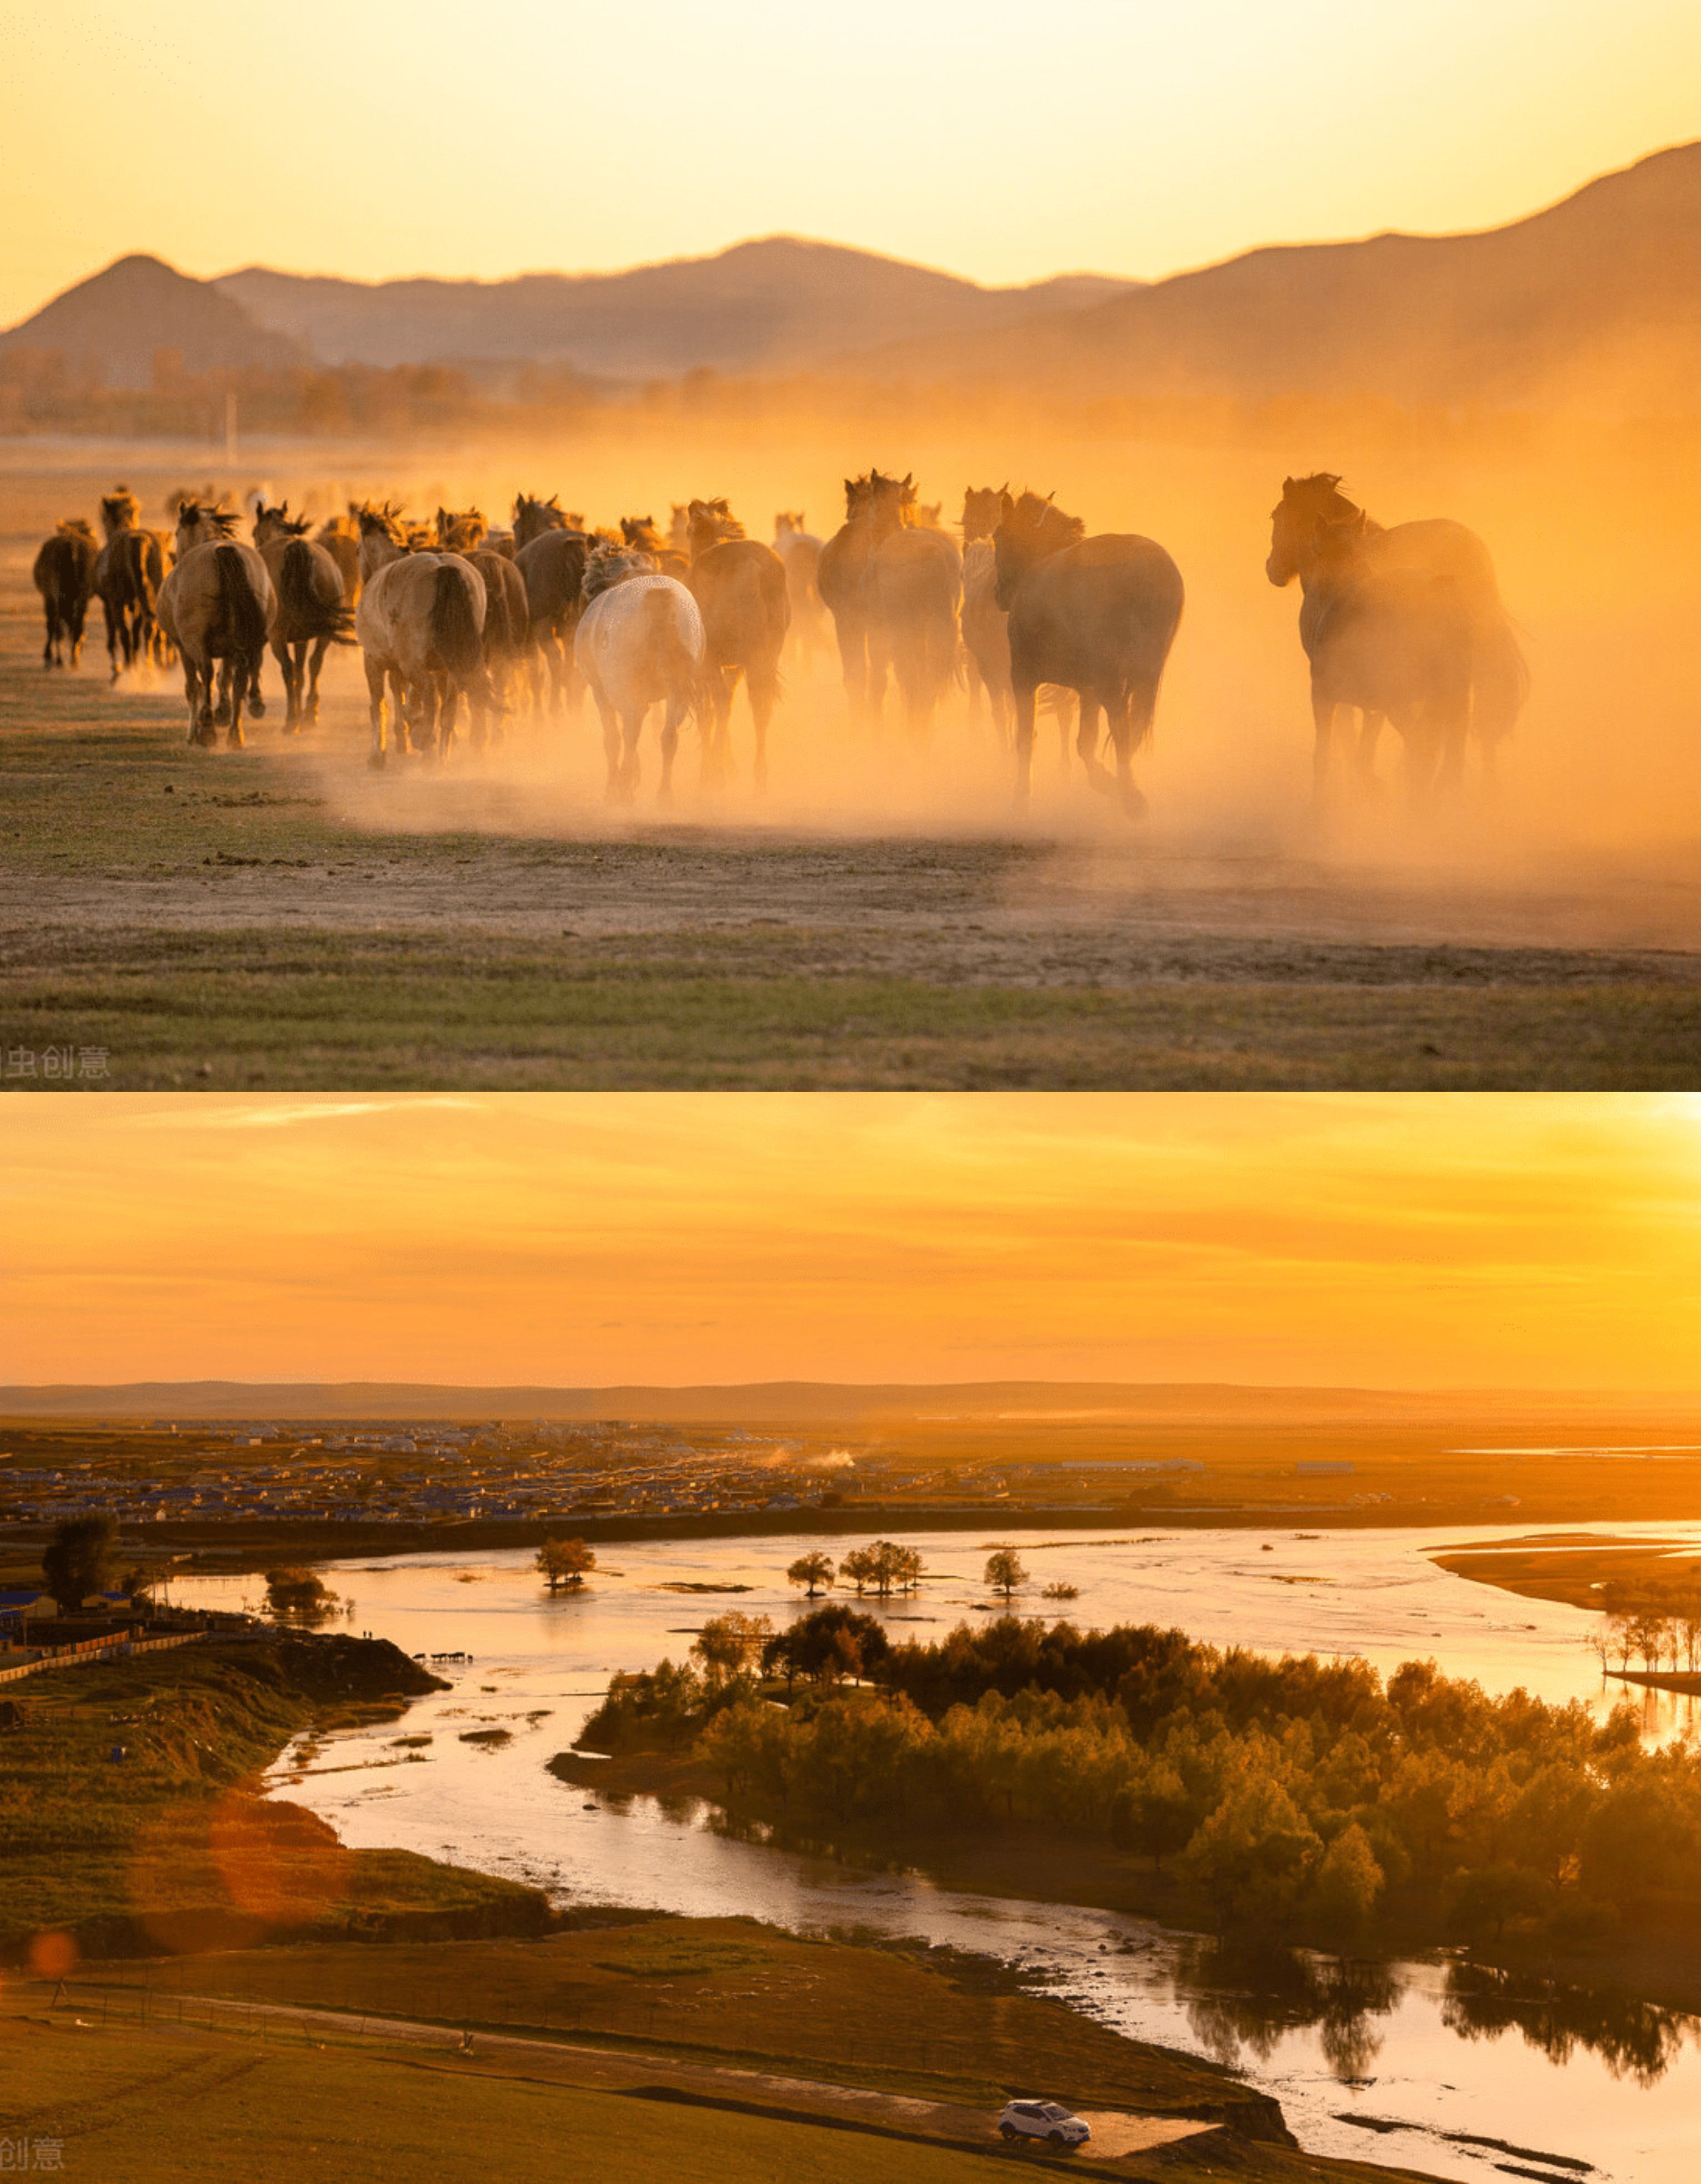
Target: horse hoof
[377,762]
[257,707]
[233,739]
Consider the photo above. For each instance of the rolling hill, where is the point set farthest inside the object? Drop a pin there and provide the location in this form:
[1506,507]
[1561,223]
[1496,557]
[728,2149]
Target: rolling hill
[1594,303]
[115,322]
[778,305]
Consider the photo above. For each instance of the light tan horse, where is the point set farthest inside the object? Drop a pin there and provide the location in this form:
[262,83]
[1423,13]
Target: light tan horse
[311,615]
[217,604]
[508,646]
[420,625]
[340,537]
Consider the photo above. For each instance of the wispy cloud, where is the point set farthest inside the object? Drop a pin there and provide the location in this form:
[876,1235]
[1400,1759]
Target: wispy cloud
[284,1115]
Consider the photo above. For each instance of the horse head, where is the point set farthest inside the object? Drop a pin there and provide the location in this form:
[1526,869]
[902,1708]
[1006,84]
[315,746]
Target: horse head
[640,534]
[277,522]
[787,524]
[460,530]
[1305,505]
[1030,530]
[982,505]
[200,526]
[120,510]
[711,523]
[532,517]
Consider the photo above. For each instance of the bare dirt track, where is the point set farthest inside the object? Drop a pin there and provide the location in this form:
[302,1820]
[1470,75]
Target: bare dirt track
[283,915]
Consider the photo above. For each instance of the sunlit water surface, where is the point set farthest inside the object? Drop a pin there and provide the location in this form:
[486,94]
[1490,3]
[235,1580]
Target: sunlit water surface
[1591,2077]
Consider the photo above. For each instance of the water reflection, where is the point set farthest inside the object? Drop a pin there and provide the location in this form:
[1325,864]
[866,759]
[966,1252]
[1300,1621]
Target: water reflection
[1243,2000]
[1635,2040]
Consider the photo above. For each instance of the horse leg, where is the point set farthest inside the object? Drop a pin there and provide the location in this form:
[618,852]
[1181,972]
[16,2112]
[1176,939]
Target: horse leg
[611,746]
[197,710]
[256,701]
[242,673]
[1022,697]
[1323,711]
[1130,726]
[374,708]
[677,711]
[111,621]
[1370,729]
[632,728]
[52,618]
[764,688]
[853,661]
[1087,739]
[317,662]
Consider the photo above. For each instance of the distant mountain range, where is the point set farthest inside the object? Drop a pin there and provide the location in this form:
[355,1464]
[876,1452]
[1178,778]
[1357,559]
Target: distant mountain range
[779,305]
[776,1401]
[1595,303]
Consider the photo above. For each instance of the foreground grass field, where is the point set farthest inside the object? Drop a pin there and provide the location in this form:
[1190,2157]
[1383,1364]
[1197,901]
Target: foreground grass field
[270,917]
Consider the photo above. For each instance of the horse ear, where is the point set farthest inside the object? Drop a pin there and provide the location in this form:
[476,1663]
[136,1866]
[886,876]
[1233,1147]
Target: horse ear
[1007,507]
[1287,485]
[909,477]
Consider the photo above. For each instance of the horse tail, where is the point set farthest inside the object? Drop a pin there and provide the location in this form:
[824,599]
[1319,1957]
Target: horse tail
[1500,683]
[300,602]
[454,634]
[244,616]
[665,644]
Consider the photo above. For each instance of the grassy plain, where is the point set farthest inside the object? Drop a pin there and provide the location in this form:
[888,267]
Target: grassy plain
[277,916]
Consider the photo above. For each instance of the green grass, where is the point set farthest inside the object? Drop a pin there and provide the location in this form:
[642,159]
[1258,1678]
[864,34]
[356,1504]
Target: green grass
[157,2108]
[166,1846]
[244,1008]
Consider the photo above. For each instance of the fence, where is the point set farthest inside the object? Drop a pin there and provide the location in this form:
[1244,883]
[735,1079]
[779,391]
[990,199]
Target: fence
[98,1649]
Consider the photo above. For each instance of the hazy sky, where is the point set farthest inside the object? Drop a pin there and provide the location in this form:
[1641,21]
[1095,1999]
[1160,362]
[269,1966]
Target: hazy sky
[999,138]
[1535,1240]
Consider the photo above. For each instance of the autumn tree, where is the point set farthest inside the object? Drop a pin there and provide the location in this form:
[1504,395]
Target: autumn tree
[565,1562]
[815,1571]
[1004,1573]
[730,1646]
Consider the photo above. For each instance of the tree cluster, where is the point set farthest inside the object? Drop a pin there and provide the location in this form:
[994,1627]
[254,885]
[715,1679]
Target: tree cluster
[1298,1795]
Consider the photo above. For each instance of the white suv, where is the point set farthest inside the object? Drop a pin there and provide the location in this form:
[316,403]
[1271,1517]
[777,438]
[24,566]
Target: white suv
[1042,2119]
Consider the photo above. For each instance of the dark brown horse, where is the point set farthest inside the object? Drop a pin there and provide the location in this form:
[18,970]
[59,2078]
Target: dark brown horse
[507,631]
[533,517]
[64,577]
[985,637]
[639,535]
[552,568]
[126,576]
[914,587]
[1098,615]
[1396,642]
[740,590]
[1305,538]
[874,507]
[312,613]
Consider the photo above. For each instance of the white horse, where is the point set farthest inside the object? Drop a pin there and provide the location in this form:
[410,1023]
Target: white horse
[217,604]
[640,643]
[421,623]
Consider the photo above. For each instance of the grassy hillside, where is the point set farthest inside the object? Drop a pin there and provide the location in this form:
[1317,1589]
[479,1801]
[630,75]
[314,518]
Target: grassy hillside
[128,1819]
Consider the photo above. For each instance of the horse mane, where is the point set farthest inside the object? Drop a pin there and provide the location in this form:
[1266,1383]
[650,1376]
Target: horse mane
[1319,495]
[222,522]
[75,526]
[340,526]
[292,526]
[611,564]
[1033,520]
[460,530]
[119,509]
[550,513]
[712,522]
[384,518]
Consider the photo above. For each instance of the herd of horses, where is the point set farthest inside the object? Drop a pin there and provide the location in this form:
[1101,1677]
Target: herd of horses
[1402,626]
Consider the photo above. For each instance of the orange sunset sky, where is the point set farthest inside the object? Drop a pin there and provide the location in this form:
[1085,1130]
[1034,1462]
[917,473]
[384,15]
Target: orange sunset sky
[1000,139]
[577,1239]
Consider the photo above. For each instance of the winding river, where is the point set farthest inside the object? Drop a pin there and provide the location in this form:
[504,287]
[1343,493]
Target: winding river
[1425,2063]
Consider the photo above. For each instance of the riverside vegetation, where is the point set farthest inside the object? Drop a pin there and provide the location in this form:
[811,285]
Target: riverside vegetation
[1302,1798]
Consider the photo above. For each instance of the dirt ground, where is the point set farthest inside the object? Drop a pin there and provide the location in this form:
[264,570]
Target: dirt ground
[284,915]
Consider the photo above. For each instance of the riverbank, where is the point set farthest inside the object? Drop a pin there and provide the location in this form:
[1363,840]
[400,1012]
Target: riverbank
[133,1820]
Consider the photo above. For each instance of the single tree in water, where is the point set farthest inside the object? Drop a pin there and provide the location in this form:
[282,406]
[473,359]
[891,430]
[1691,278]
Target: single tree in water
[816,1571]
[1004,1573]
[566,1562]
[80,1559]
